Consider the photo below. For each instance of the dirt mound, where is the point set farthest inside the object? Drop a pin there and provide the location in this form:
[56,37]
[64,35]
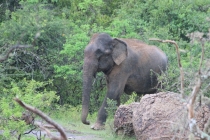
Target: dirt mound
[159,116]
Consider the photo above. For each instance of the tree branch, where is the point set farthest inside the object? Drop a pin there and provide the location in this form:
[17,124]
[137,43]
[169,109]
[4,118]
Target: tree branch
[192,124]
[17,46]
[178,58]
[47,119]
[6,54]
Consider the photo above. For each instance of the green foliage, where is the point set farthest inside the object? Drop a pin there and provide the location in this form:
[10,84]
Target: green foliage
[32,1]
[67,116]
[36,62]
[132,98]
[98,93]
[65,29]
[112,107]
[69,70]
[29,91]
[7,5]
[69,113]
[22,27]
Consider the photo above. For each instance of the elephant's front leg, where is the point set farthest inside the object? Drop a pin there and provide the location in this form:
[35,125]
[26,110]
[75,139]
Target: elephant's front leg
[114,92]
[102,115]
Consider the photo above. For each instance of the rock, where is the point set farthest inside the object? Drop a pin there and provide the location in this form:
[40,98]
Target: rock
[202,115]
[159,116]
[163,118]
[123,124]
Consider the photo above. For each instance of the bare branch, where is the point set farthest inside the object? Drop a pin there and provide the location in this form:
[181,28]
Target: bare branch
[46,118]
[6,54]
[178,58]
[193,127]
[17,46]
[194,93]
[196,89]
[192,124]
[201,60]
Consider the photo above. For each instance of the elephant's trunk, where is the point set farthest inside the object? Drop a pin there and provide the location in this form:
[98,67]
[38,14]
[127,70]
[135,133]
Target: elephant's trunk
[89,70]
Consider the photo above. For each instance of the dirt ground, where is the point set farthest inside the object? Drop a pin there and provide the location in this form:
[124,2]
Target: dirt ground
[72,135]
[77,136]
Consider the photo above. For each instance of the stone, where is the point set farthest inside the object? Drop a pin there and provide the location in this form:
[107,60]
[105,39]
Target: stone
[123,124]
[159,116]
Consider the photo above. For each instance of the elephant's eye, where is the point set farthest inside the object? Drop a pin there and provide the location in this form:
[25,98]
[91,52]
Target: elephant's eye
[107,51]
[98,53]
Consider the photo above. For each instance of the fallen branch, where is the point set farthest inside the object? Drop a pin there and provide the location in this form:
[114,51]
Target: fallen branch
[178,58]
[47,119]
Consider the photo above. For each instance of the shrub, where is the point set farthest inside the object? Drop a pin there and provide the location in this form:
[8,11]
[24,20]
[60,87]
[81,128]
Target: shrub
[31,92]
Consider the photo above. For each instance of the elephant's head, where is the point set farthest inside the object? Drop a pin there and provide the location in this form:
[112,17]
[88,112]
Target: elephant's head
[101,54]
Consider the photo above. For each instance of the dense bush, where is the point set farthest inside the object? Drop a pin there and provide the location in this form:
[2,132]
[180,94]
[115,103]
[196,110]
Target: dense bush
[31,92]
[65,28]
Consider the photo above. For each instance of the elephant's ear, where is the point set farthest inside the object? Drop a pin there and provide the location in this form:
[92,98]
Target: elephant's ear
[119,51]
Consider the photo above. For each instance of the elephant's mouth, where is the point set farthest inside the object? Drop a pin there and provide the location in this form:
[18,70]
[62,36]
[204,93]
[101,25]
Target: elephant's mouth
[107,68]
[107,72]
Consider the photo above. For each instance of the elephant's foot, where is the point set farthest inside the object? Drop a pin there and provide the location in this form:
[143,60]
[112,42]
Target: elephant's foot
[98,126]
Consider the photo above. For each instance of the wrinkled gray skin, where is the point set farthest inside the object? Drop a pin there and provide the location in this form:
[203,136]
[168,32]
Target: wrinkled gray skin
[127,64]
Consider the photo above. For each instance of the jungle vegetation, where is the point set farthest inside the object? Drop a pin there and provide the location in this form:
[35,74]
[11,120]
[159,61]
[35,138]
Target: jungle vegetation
[48,74]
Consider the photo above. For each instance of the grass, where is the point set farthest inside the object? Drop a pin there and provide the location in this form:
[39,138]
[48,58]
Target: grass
[69,118]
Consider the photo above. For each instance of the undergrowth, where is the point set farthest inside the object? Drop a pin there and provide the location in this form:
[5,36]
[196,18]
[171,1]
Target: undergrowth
[69,118]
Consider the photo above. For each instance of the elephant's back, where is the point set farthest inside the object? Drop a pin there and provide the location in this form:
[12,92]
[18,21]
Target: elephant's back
[145,61]
[142,59]
[135,44]
[145,51]
[138,46]
[145,57]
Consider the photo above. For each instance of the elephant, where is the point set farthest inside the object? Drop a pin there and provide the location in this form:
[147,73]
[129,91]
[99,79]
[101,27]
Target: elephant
[127,64]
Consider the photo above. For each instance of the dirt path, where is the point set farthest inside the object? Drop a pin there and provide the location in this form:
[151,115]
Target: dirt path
[77,136]
[72,135]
